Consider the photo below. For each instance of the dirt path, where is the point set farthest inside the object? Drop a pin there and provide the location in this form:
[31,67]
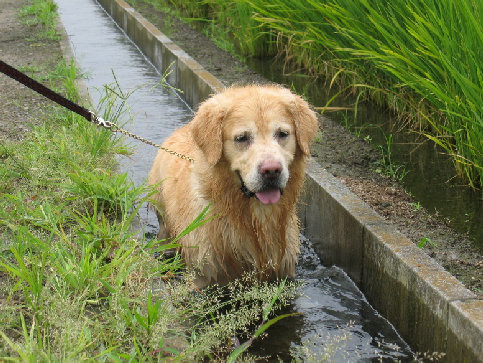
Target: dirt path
[18,47]
[338,151]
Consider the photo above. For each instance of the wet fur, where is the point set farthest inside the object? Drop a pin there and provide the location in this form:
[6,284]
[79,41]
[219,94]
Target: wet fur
[246,235]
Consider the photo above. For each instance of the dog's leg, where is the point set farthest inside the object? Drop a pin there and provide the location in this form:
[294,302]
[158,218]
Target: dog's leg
[164,236]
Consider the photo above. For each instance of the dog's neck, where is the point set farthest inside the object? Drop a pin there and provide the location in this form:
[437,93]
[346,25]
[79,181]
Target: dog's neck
[246,192]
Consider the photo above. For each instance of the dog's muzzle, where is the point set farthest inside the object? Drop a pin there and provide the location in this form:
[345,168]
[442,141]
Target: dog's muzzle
[269,193]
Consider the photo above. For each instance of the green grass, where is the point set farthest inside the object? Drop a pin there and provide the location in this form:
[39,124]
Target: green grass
[426,241]
[386,164]
[43,14]
[420,58]
[76,283]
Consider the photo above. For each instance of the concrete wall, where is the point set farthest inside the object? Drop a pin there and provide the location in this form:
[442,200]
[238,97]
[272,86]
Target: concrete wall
[184,72]
[431,310]
[429,307]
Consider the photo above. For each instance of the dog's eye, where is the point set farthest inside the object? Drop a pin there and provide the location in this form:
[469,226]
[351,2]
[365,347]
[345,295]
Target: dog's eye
[281,135]
[242,138]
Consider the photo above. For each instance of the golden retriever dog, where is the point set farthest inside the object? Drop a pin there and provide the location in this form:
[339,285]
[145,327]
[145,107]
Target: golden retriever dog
[249,146]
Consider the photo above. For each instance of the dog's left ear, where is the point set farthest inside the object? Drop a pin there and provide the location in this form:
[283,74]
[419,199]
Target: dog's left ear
[206,129]
[306,123]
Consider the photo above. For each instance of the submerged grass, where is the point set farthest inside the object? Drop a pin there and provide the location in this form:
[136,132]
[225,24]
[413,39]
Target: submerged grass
[420,58]
[76,284]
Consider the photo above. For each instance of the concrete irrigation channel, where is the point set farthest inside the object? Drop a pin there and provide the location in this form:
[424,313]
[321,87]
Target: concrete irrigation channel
[430,308]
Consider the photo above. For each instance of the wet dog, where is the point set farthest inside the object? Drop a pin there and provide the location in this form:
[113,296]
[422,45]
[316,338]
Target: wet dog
[250,146]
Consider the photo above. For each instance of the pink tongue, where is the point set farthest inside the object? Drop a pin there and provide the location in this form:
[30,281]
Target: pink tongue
[269,196]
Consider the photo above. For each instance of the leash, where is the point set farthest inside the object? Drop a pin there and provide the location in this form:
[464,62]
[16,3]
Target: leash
[84,112]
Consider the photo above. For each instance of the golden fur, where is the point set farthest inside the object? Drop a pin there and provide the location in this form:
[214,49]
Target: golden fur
[258,134]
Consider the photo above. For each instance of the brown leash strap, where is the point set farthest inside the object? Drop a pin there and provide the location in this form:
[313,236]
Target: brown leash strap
[44,91]
[88,115]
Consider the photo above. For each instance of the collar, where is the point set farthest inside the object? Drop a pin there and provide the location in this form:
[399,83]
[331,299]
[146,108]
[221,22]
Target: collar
[246,192]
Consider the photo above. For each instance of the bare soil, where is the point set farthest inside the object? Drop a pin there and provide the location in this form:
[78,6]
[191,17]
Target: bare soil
[341,153]
[21,107]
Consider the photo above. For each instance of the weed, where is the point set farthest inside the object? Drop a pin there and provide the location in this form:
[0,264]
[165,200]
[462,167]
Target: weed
[74,282]
[479,291]
[112,194]
[4,152]
[264,325]
[426,241]
[387,165]
[318,137]
[42,13]
[416,205]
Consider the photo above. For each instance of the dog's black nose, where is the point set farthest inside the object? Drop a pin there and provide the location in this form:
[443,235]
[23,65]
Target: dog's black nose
[270,169]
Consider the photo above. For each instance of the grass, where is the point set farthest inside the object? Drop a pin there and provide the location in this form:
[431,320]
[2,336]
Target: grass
[426,241]
[386,165]
[43,15]
[420,58]
[237,35]
[75,282]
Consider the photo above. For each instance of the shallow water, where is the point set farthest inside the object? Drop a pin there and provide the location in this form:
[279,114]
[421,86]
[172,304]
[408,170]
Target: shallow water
[336,324]
[337,320]
[103,51]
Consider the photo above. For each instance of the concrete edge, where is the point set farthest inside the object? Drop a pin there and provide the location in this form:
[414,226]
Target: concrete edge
[429,307]
[183,72]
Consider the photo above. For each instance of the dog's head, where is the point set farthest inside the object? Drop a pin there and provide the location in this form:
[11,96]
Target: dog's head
[258,131]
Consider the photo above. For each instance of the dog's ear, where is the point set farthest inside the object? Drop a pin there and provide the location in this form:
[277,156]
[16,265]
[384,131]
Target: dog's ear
[207,130]
[306,123]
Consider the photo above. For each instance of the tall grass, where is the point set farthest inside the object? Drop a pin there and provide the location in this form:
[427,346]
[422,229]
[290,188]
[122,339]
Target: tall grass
[229,24]
[420,58]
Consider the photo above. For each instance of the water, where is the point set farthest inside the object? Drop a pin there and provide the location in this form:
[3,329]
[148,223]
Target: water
[337,320]
[336,324]
[430,174]
[102,50]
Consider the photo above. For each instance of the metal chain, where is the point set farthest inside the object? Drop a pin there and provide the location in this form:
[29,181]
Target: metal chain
[99,121]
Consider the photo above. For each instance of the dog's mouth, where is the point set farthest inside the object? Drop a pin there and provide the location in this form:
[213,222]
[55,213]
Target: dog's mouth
[269,195]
